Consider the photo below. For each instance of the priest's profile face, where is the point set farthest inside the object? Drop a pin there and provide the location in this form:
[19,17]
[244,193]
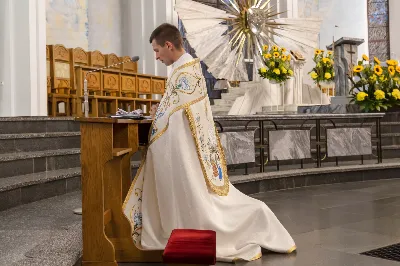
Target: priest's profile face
[167,43]
[163,53]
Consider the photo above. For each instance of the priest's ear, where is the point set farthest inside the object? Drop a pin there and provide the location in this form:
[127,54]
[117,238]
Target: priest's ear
[170,45]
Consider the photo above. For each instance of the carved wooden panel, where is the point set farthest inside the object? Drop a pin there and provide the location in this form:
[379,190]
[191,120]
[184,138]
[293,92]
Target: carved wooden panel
[62,70]
[81,57]
[60,53]
[62,83]
[93,80]
[97,59]
[158,86]
[112,59]
[129,66]
[128,83]
[48,84]
[48,68]
[144,84]
[47,52]
[111,81]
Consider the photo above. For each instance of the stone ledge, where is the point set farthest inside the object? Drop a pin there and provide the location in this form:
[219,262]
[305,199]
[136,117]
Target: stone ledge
[259,183]
[35,118]
[39,135]
[14,182]
[312,171]
[37,154]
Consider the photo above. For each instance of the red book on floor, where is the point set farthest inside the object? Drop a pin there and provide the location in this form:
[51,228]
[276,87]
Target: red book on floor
[189,246]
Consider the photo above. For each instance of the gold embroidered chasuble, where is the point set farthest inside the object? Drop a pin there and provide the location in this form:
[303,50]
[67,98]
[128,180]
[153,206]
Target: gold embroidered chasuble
[182,181]
[186,90]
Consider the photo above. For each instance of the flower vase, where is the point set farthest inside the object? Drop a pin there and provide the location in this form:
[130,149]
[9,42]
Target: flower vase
[290,96]
[327,88]
[275,92]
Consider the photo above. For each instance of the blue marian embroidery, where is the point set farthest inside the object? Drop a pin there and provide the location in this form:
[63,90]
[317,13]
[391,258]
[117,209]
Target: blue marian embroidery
[137,218]
[219,172]
[184,84]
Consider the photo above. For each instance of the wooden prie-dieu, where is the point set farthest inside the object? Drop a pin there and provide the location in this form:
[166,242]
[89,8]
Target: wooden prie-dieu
[107,145]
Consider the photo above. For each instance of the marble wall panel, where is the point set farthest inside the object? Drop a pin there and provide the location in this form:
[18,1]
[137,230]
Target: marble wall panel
[238,147]
[348,141]
[289,145]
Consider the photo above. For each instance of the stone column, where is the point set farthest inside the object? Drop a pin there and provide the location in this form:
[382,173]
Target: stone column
[394,21]
[23,84]
[139,19]
[346,56]
[298,81]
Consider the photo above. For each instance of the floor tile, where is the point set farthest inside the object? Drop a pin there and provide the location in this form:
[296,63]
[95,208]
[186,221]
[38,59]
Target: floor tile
[385,226]
[342,239]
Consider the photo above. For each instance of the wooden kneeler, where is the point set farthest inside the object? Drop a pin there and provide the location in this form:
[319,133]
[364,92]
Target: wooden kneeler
[191,247]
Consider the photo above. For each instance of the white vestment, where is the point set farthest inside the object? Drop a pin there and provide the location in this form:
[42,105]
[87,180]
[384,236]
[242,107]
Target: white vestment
[182,182]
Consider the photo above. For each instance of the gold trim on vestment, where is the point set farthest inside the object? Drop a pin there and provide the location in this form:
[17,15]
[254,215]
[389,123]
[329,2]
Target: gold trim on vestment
[176,109]
[132,225]
[194,61]
[224,189]
[256,257]
[134,180]
[292,249]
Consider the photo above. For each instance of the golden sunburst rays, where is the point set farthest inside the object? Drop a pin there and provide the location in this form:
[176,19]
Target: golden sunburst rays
[257,23]
[247,26]
[253,17]
[231,5]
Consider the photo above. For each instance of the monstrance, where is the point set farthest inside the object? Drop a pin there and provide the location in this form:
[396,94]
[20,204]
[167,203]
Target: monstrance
[226,39]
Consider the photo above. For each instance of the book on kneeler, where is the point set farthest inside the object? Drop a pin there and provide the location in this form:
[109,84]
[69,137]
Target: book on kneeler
[190,246]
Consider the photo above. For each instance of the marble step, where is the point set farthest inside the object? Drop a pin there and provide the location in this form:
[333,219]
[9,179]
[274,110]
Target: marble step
[15,125]
[25,142]
[42,233]
[17,190]
[22,163]
[273,180]
[230,97]
[22,189]
[223,102]
[220,108]
[238,92]
[220,112]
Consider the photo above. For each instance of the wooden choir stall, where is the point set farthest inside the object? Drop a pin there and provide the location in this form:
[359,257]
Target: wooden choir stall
[116,86]
[107,145]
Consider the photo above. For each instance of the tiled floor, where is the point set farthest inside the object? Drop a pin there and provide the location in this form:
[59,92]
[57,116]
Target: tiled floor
[331,224]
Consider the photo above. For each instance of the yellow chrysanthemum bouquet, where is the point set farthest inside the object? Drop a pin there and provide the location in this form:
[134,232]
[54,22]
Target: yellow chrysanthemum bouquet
[277,64]
[323,70]
[375,87]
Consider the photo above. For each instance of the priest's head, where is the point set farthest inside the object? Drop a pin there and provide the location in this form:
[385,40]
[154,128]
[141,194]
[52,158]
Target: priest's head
[167,43]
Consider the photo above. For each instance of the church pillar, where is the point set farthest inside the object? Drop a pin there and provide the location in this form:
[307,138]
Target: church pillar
[394,22]
[139,19]
[23,89]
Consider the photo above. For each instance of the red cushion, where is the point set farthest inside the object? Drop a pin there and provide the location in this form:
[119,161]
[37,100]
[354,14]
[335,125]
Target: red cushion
[191,246]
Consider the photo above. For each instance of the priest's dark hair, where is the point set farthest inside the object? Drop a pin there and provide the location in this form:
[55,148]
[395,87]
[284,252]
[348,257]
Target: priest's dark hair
[167,33]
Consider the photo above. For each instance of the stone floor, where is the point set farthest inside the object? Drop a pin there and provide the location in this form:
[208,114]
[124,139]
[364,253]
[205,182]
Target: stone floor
[331,225]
